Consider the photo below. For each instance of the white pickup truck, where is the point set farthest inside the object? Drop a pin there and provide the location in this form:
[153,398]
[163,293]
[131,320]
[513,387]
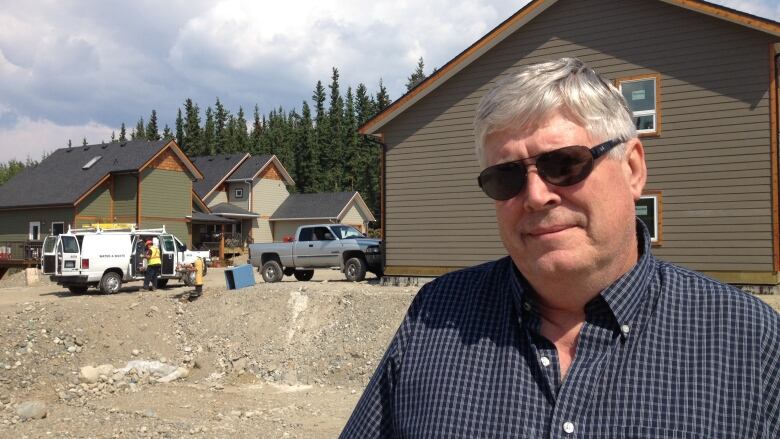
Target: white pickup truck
[319,246]
[83,258]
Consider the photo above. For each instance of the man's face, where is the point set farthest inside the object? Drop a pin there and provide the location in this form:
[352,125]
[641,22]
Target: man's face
[550,230]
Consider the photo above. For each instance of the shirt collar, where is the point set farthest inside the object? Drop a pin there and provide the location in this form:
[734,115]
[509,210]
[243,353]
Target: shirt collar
[624,296]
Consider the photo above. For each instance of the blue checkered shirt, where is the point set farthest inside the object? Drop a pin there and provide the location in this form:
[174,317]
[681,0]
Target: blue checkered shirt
[664,353]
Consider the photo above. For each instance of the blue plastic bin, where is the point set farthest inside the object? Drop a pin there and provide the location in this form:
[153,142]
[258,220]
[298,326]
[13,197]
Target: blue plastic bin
[239,277]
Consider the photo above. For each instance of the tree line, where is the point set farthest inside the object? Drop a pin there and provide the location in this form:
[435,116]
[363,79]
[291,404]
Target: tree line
[319,146]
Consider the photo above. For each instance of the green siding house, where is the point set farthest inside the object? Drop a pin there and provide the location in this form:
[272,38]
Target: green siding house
[145,183]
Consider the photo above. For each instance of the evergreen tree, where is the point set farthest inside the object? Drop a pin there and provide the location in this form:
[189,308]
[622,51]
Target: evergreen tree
[240,135]
[140,130]
[417,76]
[221,116]
[123,133]
[113,136]
[351,161]
[167,133]
[382,98]
[257,131]
[335,149]
[180,130]
[321,134]
[152,130]
[69,144]
[209,142]
[84,142]
[369,152]
[191,129]
[306,168]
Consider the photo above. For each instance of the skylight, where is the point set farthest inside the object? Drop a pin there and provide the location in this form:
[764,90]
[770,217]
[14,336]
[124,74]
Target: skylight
[92,162]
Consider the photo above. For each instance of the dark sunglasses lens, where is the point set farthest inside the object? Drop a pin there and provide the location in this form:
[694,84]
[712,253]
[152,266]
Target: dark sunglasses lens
[565,166]
[502,182]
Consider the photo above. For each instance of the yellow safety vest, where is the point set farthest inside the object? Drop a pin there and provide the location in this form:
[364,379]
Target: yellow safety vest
[154,259]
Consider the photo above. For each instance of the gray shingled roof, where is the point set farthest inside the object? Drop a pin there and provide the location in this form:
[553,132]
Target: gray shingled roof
[60,180]
[321,205]
[214,168]
[249,168]
[208,218]
[231,209]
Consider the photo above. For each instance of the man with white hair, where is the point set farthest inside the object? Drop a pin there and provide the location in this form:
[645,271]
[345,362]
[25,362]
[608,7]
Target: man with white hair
[580,331]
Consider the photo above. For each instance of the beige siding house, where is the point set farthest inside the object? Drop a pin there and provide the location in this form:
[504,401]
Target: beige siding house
[327,207]
[702,82]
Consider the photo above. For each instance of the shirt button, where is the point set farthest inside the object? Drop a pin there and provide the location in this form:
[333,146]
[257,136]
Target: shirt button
[527,306]
[568,427]
[545,361]
[625,329]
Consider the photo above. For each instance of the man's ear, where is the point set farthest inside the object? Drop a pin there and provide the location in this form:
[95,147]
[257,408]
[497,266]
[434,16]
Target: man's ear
[635,168]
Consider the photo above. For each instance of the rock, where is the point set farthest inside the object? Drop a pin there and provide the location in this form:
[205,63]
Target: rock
[71,349]
[32,410]
[240,364]
[105,369]
[135,352]
[89,374]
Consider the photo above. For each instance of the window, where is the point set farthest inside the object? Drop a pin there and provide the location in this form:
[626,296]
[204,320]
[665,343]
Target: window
[91,161]
[57,228]
[35,231]
[239,193]
[237,227]
[305,234]
[648,210]
[643,97]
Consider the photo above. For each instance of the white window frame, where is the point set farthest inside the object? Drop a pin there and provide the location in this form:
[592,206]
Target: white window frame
[238,193]
[57,222]
[657,232]
[30,230]
[656,112]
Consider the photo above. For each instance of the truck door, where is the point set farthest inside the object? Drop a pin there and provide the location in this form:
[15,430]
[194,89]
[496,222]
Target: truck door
[316,247]
[49,262]
[168,253]
[68,255]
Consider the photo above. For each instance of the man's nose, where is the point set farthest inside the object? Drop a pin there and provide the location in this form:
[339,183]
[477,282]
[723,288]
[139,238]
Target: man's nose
[539,194]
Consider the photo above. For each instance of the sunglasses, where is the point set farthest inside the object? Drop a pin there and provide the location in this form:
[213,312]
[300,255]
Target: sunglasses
[561,167]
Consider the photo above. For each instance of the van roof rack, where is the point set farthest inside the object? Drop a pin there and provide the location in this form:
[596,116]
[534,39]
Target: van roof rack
[131,229]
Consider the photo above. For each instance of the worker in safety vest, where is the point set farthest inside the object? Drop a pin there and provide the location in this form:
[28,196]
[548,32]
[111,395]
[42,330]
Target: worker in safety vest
[152,267]
[198,266]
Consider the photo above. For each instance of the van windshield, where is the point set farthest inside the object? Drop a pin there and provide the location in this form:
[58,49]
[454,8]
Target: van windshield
[69,244]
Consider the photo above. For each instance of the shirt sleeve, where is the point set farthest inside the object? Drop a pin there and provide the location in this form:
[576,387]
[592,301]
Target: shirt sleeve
[374,415]
[770,375]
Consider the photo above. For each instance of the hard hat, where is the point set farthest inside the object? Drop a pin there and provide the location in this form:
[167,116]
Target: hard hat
[148,243]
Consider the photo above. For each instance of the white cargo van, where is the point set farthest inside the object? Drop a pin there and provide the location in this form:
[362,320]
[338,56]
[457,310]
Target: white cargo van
[83,258]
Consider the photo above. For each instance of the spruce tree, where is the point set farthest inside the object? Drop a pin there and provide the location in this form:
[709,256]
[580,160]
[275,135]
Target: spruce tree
[257,131]
[306,168]
[417,76]
[167,133]
[152,130]
[210,146]
[382,98]
[113,136]
[240,135]
[321,134]
[191,128]
[123,133]
[350,141]
[140,130]
[221,116]
[335,150]
[180,131]
[84,142]
[368,175]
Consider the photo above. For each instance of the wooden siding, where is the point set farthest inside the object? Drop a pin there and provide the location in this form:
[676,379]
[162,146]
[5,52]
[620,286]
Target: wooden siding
[712,161]
[268,194]
[125,195]
[215,198]
[355,218]
[96,207]
[166,194]
[242,202]
[16,223]
[288,228]
[168,161]
[172,225]
[271,173]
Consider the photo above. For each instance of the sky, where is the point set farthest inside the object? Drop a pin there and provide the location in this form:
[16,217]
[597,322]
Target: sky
[74,69]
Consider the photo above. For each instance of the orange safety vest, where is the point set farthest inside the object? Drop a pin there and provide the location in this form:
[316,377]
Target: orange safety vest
[154,258]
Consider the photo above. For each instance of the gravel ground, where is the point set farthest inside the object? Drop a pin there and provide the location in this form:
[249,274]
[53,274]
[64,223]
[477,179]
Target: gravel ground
[284,360]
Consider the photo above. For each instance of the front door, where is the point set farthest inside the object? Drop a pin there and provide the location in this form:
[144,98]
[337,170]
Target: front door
[168,250]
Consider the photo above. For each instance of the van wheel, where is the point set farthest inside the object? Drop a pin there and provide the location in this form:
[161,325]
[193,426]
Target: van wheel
[272,271]
[304,275]
[355,269]
[161,283]
[110,283]
[78,289]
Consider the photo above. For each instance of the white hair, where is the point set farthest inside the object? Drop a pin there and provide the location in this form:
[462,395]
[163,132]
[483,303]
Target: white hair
[525,99]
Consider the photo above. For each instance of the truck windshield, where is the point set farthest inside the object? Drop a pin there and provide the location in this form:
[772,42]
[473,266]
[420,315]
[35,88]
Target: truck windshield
[69,244]
[346,232]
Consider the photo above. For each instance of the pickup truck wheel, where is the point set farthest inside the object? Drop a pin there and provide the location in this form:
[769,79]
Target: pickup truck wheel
[304,275]
[355,269]
[78,289]
[272,271]
[110,283]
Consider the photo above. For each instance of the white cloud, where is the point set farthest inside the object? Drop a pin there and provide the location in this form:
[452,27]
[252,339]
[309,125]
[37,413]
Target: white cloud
[32,138]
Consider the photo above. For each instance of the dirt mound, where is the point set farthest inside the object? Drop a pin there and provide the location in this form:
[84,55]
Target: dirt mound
[289,358]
